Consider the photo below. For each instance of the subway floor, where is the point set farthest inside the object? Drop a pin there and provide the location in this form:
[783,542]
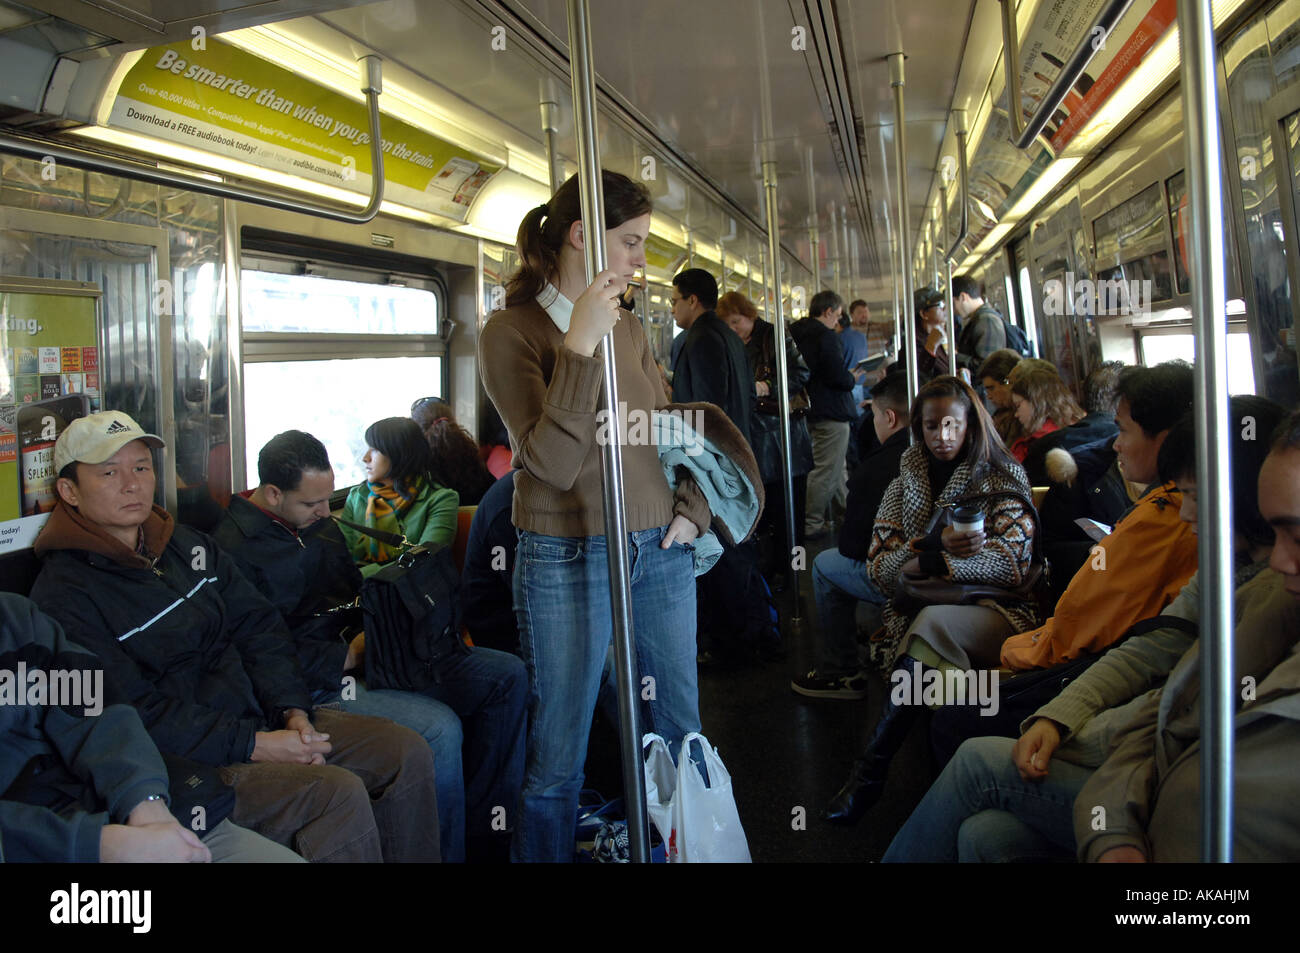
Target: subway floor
[788,754]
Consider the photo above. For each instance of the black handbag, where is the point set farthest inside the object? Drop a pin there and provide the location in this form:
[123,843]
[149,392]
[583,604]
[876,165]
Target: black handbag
[917,589]
[411,612]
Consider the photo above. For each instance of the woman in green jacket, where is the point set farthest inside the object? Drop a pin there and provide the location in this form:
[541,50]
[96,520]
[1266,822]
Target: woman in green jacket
[399,495]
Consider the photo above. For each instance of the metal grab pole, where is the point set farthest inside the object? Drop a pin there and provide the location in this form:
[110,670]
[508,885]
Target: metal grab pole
[814,238]
[847,291]
[947,284]
[550,128]
[836,270]
[1213,470]
[907,338]
[1022,133]
[620,590]
[782,374]
[959,117]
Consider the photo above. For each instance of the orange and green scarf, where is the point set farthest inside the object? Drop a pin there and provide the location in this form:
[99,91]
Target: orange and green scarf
[384,507]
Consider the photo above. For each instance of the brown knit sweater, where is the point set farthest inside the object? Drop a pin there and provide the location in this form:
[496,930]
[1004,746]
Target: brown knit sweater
[548,396]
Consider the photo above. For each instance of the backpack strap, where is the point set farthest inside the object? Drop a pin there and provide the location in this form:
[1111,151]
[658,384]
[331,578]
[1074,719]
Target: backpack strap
[390,539]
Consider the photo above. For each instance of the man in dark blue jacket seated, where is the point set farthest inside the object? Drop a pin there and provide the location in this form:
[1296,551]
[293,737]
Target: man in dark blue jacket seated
[472,716]
[840,578]
[80,779]
[209,665]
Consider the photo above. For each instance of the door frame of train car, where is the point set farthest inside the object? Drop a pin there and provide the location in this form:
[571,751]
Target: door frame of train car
[145,236]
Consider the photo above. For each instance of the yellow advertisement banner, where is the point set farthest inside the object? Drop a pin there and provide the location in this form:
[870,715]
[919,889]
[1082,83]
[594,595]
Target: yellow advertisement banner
[226,101]
[49,376]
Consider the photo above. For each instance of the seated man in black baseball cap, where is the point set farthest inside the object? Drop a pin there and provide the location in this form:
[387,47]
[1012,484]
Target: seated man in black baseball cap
[209,666]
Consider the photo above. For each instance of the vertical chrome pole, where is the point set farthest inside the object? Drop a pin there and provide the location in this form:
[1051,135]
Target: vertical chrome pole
[550,128]
[1213,470]
[849,266]
[778,321]
[947,281]
[620,590]
[814,237]
[782,376]
[907,338]
[836,268]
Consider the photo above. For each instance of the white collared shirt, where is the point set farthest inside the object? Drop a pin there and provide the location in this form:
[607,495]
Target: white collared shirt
[557,306]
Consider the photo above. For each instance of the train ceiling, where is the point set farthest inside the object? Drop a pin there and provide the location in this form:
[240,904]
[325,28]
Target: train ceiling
[693,94]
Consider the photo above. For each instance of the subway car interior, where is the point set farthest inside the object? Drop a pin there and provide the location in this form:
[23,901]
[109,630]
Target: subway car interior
[233,220]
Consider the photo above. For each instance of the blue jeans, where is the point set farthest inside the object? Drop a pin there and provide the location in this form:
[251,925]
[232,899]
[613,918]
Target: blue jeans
[839,584]
[488,690]
[561,587]
[981,810]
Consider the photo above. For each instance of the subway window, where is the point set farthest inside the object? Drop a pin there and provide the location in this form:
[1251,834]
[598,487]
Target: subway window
[1167,347]
[330,353]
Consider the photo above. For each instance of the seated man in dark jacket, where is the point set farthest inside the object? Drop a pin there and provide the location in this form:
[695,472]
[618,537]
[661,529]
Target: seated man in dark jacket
[281,538]
[209,664]
[840,578]
[80,779]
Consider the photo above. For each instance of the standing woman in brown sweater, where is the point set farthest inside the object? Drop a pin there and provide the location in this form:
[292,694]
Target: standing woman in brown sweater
[540,366]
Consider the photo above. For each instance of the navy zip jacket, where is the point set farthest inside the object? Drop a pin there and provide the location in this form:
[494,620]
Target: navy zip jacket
[204,658]
[106,759]
[302,573]
[712,367]
[830,386]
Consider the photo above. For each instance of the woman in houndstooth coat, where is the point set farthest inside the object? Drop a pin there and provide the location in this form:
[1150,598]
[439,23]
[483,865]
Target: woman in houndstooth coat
[956,454]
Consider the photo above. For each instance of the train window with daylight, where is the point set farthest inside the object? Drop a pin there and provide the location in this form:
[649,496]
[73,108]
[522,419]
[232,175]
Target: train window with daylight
[1168,347]
[312,304]
[335,401]
[334,351]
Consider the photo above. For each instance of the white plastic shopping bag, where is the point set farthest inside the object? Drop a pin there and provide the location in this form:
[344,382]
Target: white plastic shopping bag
[706,824]
[660,786]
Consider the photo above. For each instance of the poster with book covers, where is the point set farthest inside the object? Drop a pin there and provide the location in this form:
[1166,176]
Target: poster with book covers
[49,346]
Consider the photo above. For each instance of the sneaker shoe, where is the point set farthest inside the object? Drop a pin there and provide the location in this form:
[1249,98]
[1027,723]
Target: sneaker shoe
[836,686]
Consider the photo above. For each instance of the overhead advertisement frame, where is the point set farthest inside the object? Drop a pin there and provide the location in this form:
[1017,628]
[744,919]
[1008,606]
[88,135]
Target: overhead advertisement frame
[226,101]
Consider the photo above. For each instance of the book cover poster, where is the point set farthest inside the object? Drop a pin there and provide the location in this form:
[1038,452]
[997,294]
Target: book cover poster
[49,342]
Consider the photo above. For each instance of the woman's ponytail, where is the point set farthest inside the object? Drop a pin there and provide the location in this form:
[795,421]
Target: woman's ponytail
[536,261]
[543,231]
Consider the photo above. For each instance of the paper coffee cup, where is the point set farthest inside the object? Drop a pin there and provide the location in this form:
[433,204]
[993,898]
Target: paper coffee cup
[967,519]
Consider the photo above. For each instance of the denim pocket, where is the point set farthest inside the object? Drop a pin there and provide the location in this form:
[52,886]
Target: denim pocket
[553,549]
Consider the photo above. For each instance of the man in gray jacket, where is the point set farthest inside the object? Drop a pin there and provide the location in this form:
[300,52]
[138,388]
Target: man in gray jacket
[80,779]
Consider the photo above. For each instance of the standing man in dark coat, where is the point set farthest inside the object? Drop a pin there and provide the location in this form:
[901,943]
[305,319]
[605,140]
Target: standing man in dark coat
[830,391]
[712,365]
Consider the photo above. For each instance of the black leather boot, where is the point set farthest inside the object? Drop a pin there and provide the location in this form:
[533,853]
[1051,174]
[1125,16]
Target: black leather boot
[867,779]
